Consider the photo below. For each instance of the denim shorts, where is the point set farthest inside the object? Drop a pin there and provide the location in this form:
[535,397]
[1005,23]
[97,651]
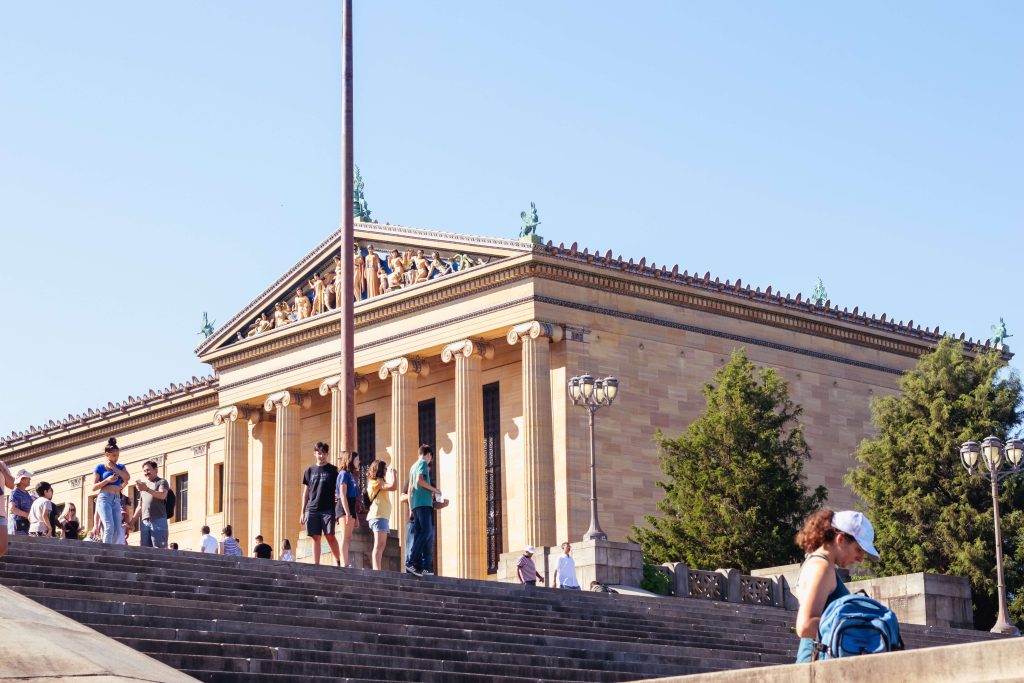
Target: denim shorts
[379,524]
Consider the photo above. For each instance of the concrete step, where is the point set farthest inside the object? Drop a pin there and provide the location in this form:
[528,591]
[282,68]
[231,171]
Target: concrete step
[606,626]
[231,619]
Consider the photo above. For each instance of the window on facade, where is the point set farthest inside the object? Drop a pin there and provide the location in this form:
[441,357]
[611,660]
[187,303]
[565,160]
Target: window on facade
[181,492]
[218,488]
[428,437]
[492,475]
[366,445]
[87,522]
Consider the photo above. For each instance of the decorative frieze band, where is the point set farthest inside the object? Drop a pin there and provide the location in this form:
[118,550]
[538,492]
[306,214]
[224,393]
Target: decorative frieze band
[467,348]
[75,482]
[535,330]
[200,450]
[404,366]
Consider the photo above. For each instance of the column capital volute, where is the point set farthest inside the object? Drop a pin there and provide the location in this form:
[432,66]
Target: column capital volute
[332,383]
[467,348]
[535,329]
[232,413]
[404,366]
[283,399]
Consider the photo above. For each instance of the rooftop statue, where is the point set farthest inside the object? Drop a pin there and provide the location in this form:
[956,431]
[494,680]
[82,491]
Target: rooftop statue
[360,209]
[999,334]
[530,223]
[207,329]
[819,296]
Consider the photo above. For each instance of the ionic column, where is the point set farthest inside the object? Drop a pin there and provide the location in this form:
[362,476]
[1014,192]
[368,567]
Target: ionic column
[404,373]
[236,467]
[468,496]
[261,476]
[286,405]
[332,386]
[538,449]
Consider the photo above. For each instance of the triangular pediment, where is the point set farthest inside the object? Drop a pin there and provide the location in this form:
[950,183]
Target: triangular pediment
[389,259]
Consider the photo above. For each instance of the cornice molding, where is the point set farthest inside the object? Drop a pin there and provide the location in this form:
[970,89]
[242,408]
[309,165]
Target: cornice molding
[99,432]
[133,405]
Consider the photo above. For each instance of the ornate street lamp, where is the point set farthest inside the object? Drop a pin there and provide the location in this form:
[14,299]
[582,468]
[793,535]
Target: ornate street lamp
[995,454]
[593,394]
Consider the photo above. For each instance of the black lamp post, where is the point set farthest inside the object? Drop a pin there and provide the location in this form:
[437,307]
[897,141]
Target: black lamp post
[593,394]
[995,454]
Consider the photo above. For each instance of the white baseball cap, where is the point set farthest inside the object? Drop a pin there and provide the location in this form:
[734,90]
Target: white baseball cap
[530,549]
[859,527]
[22,474]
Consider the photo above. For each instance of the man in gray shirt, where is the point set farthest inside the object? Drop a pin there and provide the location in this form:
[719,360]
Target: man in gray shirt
[153,507]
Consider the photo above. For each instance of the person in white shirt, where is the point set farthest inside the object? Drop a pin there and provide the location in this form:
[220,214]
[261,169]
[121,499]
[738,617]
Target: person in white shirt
[565,570]
[286,551]
[207,544]
[39,514]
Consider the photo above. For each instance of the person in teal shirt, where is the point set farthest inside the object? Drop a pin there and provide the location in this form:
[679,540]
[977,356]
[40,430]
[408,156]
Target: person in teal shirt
[421,502]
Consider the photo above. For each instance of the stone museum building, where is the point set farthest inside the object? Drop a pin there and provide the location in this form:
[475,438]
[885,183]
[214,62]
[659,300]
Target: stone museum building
[466,343]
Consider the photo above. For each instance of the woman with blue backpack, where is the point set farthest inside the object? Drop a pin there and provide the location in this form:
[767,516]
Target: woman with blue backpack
[834,540]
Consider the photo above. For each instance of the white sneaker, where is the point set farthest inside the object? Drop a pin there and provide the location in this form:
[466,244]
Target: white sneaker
[426,572]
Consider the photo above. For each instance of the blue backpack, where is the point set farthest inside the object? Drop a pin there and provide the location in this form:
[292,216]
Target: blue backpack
[856,625]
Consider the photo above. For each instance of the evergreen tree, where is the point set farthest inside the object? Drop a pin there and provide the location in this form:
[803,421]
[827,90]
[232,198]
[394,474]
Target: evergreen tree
[734,491]
[929,514]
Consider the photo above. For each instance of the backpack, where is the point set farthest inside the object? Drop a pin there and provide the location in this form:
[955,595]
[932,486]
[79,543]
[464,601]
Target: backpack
[170,501]
[856,625]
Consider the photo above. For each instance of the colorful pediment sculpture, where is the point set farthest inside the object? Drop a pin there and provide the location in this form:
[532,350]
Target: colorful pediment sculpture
[379,270]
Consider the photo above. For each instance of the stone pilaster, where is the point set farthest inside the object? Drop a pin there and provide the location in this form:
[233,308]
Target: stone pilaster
[404,373]
[468,496]
[286,405]
[235,420]
[537,518]
[332,386]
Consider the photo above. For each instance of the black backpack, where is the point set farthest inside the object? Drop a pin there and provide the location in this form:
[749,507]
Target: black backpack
[170,501]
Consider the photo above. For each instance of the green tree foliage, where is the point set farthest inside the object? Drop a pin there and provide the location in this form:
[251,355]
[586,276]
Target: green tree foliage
[929,514]
[734,491]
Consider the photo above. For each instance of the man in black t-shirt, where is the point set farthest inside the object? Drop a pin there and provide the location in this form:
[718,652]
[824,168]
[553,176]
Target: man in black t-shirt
[318,486]
[262,550]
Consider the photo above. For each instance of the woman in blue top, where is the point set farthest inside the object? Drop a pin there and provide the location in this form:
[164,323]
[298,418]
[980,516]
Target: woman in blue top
[348,498]
[109,479]
[831,540]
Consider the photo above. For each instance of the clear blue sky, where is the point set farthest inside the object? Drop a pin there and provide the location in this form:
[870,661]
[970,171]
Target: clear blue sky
[158,160]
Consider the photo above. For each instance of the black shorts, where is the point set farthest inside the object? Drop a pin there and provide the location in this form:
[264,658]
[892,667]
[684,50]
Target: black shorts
[351,507]
[319,523]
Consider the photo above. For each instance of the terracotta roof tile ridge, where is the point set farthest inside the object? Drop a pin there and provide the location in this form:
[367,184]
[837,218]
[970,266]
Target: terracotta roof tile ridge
[152,397]
[825,309]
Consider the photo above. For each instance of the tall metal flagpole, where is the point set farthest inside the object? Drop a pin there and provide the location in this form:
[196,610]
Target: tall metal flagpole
[348,376]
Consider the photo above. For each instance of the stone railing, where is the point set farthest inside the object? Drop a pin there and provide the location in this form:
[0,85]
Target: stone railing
[726,585]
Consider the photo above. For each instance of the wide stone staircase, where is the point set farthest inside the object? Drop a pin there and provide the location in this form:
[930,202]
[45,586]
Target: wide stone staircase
[241,619]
